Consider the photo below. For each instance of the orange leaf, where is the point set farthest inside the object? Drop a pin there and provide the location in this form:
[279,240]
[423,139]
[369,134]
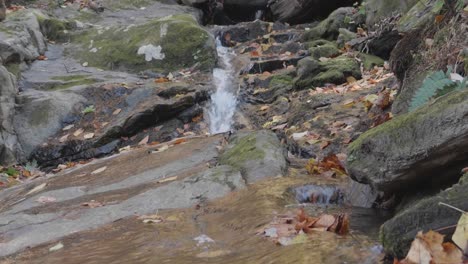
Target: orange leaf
[42,57]
[161,80]
[180,141]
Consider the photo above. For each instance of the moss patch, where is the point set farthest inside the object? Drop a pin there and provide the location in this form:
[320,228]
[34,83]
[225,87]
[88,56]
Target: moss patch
[183,43]
[244,150]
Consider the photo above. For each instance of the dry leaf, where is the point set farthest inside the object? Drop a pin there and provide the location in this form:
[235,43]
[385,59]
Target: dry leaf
[68,127]
[429,248]
[78,132]
[37,188]
[161,80]
[42,58]
[460,237]
[144,141]
[173,178]
[88,135]
[99,170]
[180,141]
[117,111]
[325,144]
[64,138]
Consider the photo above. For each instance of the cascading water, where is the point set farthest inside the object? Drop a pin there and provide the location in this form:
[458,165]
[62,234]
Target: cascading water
[223,102]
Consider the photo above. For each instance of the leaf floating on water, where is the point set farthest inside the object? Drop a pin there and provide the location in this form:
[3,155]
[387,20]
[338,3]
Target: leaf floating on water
[56,247]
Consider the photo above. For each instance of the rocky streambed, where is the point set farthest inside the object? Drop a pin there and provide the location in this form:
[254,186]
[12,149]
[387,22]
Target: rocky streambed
[107,154]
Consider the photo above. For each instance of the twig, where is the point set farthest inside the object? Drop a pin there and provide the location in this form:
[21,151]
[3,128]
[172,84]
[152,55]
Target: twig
[452,207]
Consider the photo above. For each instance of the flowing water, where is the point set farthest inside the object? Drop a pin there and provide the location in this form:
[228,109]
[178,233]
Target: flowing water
[223,101]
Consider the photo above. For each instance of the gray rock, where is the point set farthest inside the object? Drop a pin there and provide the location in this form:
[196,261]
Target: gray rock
[304,11]
[377,10]
[8,139]
[258,155]
[427,145]
[426,214]
[40,116]
[329,28]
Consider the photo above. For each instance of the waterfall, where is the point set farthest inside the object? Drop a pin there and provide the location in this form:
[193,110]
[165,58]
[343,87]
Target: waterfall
[223,101]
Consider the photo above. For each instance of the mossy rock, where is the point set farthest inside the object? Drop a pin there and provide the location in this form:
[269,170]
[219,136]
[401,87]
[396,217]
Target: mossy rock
[422,13]
[329,28]
[312,73]
[56,29]
[426,214]
[326,51]
[344,36]
[377,10]
[164,44]
[370,61]
[414,149]
[258,155]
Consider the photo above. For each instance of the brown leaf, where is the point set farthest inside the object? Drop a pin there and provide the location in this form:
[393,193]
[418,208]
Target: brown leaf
[117,111]
[144,141]
[42,58]
[325,144]
[325,220]
[161,80]
[180,141]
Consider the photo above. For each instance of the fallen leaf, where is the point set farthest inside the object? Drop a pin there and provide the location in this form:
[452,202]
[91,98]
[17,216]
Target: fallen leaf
[64,138]
[144,141]
[99,170]
[46,199]
[460,237]
[42,58]
[88,135]
[325,144]
[68,127]
[160,149]
[92,204]
[161,80]
[351,80]
[429,248]
[37,188]
[173,178]
[117,111]
[325,221]
[180,141]
[78,132]
[56,247]
[127,148]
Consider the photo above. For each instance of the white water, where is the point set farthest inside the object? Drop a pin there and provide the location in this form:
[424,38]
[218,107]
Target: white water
[223,102]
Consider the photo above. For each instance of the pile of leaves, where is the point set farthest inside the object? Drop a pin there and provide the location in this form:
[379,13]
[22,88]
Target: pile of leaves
[290,229]
[10,176]
[330,166]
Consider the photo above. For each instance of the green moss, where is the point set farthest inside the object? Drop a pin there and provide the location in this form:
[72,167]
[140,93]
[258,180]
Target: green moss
[182,40]
[326,51]
[71,83]
[68,78]
[244,150]
[281,80]
[369,61]
[12,172]
[419,15]
[14,68]
[392,127]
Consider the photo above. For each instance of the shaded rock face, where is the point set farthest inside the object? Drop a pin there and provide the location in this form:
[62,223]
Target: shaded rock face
[426,214]
[296,12]
[8,139]
[376,10]
[258,155]
[425,147]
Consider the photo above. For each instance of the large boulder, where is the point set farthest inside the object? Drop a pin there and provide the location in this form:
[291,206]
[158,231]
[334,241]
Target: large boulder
[8,140]
[163,44]
[344,17]
[296,12]
[311,72]
[427,146]
[420,15]
[377,10]
[258,155]
[426,214]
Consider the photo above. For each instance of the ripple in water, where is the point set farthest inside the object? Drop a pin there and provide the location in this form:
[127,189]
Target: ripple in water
[223,102]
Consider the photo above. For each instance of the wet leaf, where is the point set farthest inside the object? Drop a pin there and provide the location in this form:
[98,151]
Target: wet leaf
[56,247]
[99,170]
[37,189]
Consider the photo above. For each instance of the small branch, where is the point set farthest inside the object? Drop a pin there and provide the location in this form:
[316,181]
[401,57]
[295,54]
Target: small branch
[452,207]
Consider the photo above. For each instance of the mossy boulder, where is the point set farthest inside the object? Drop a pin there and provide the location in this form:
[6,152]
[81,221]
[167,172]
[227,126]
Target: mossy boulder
[377,10]
[258,155]
[329,28]
[370,61]
[344,36]
[56,29]
[426,214]
[164,44]
[326,49]
[422,13]
[427,146]
[311,72]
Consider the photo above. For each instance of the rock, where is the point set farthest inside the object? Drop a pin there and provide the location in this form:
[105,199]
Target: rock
[8,139]
[242,32]
[296,12]
[377,10]
[258,155]
[40,115]
[311,72]
[329,28]
[383,44]
[344,36]
[370,61]
[422,13]
[325,49]
[156,45]
[136,182]
[56,29]
[392,159]
[270,65]
[360,195]
[425,214]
